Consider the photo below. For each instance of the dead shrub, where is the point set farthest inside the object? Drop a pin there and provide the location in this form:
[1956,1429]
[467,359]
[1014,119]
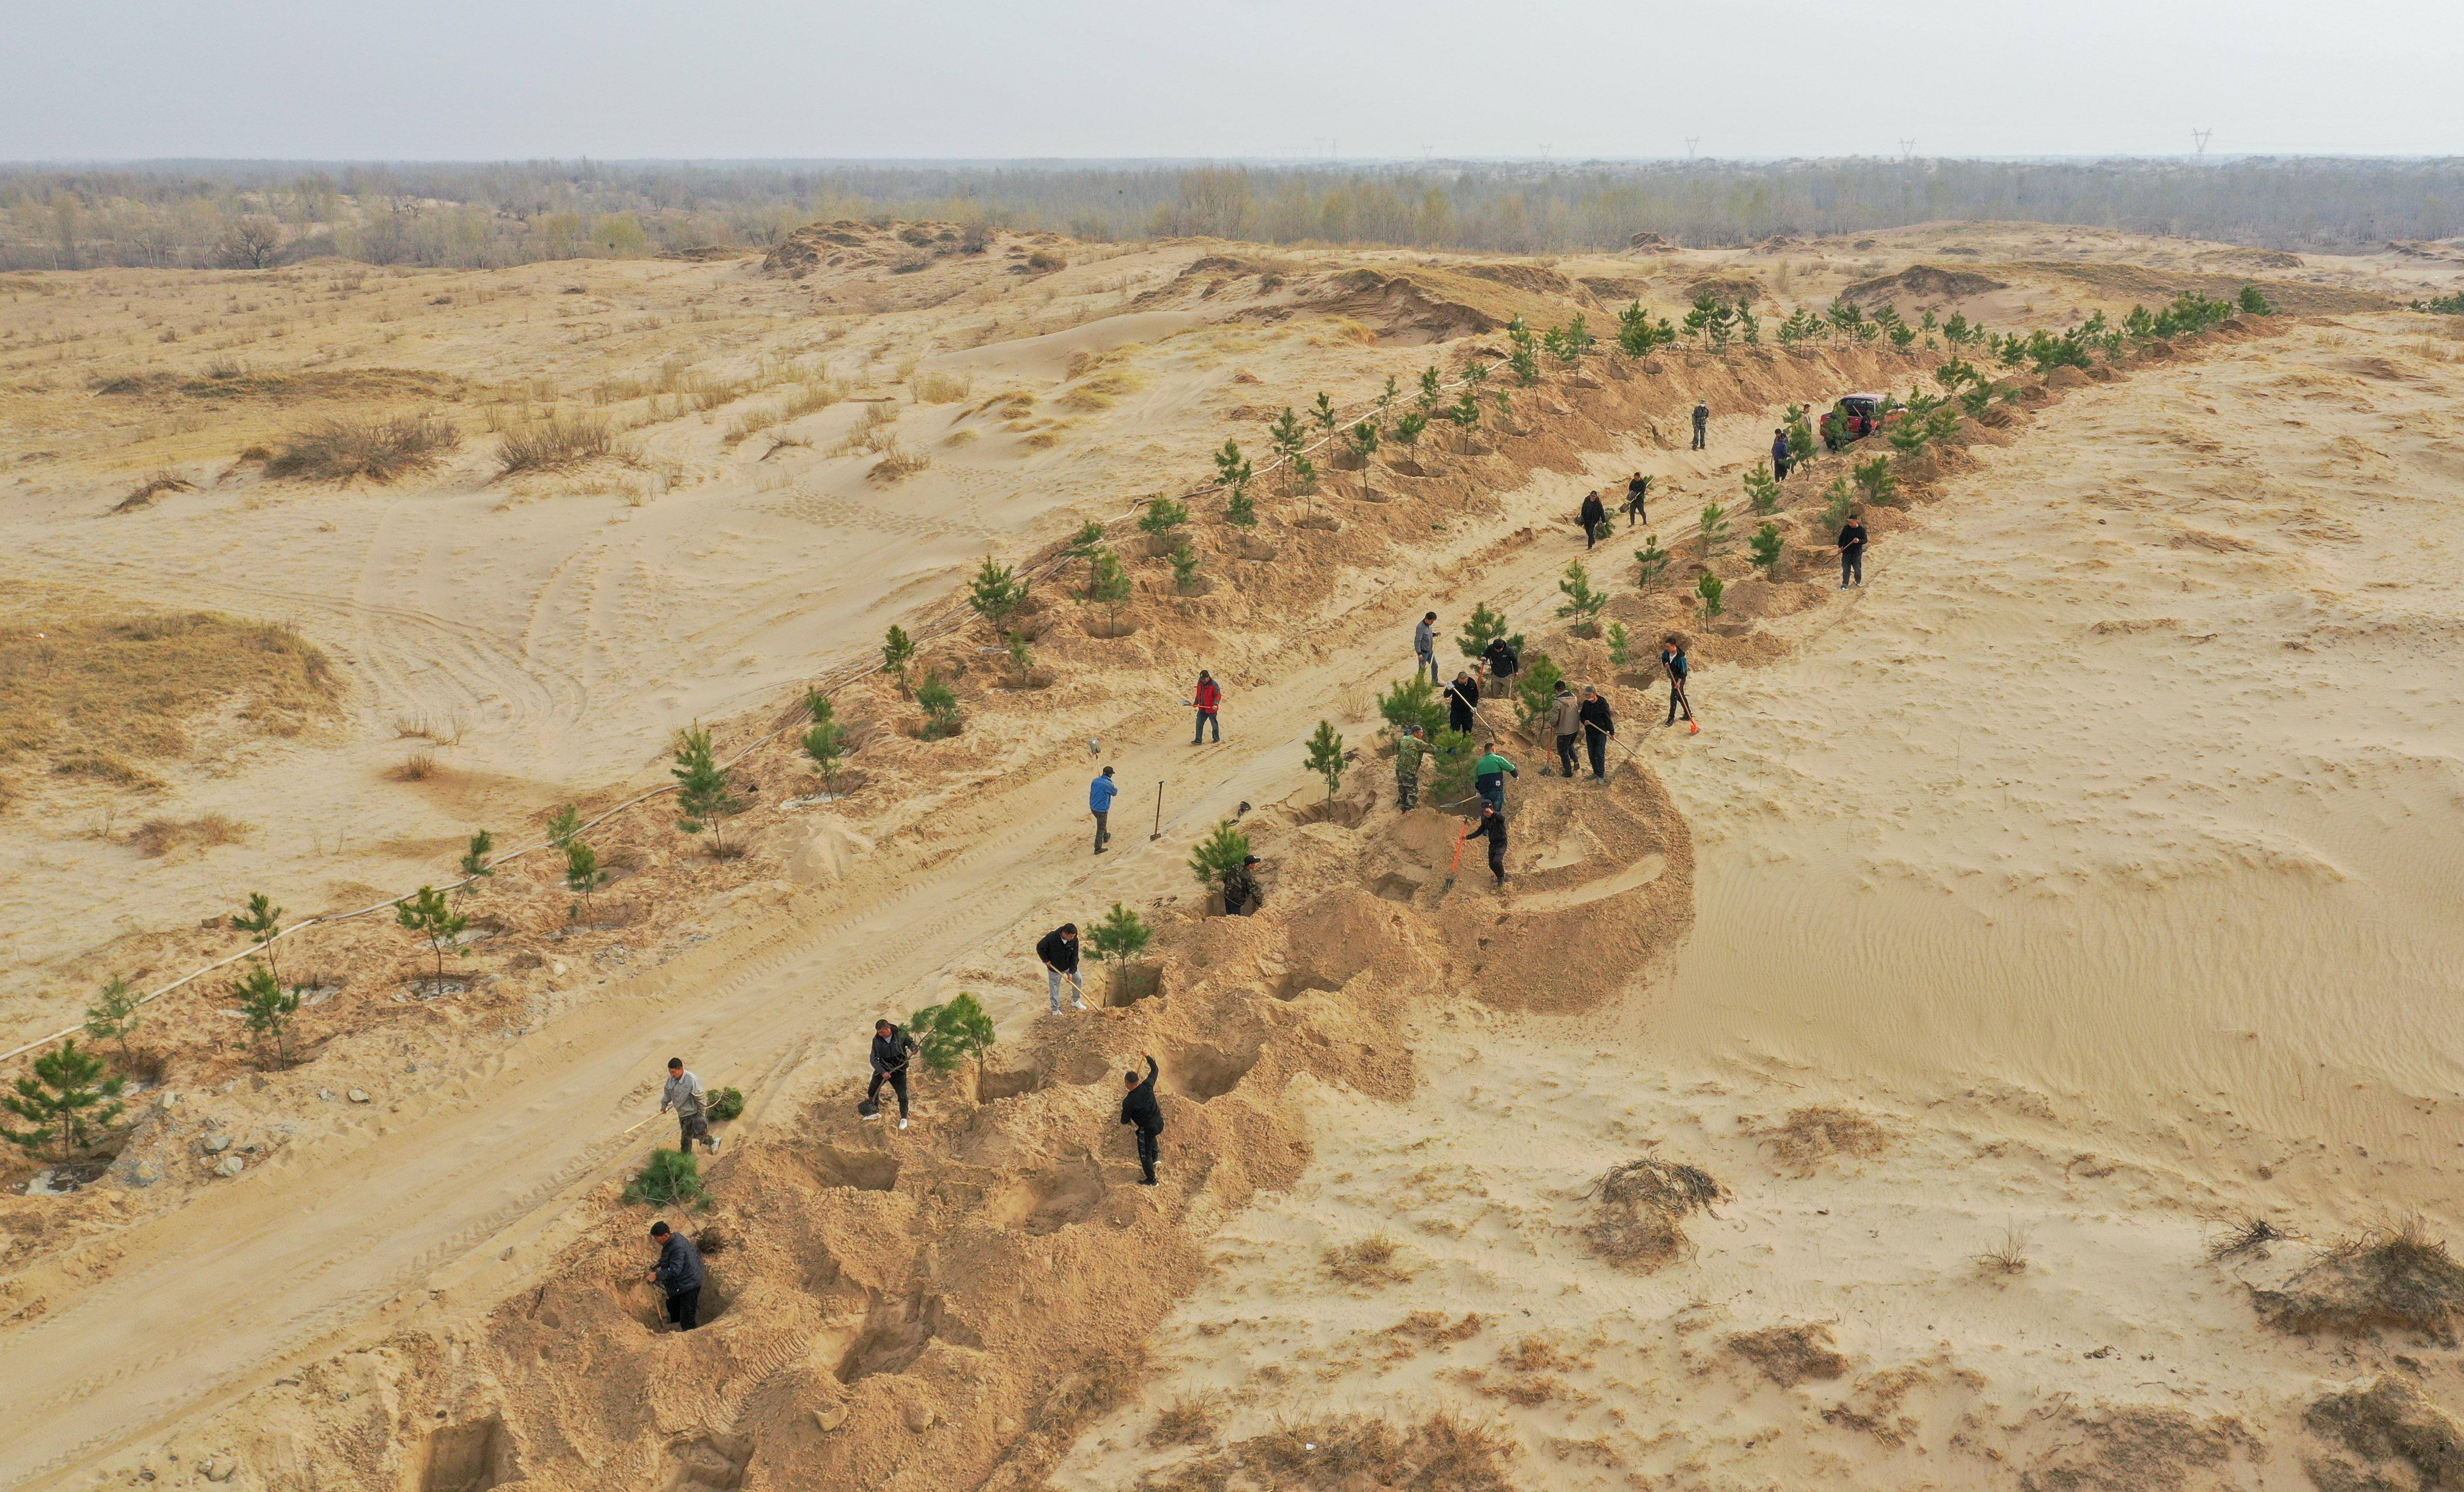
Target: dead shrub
[1637,1221]
[146,492]
[2397,1277]
[1189,1420]
[2249,1238]
[373,450]
[1789,1355]
[2010,1257]
[898,463]
[418,767]
[1810,1135]
[103,765]
[554,444]
[1369,1263]
[1443,1453]
[940,389]
[157,837]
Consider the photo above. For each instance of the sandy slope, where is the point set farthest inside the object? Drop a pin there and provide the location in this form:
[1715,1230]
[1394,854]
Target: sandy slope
[2104,854]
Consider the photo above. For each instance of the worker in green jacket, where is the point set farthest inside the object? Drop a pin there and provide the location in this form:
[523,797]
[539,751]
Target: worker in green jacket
[1489,777]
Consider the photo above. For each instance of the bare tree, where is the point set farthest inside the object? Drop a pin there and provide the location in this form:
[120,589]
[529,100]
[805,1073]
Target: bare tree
[251,243]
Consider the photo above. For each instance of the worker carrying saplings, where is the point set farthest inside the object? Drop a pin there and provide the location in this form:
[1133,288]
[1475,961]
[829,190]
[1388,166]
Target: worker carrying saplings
[1138,1106]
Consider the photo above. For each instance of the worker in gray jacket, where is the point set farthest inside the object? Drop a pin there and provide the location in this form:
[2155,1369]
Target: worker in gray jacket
[683,1093]
[1564,719]
[1424,648]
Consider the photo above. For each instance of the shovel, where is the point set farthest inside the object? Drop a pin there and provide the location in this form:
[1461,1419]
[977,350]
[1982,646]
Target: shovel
[1455,866]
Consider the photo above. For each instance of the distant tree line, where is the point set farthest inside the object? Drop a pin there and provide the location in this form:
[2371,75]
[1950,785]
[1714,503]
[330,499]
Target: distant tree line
[248,215]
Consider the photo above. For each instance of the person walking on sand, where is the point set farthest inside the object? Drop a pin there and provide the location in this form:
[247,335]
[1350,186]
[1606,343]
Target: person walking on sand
[1409,748]
[1059,952]
[1779,455]
[1424,648]
[1100,794]
[1565,722]
[1851,549]
[1637,492]
[1208,699]
[1489,777]
[1492,828]
[1502,662]
[1595,517]
[1701,422]
[1462,704]
[1138,1107]
[1240,895]
[1672,658]
[679,1275]
[683,1093]
[892,1049]
[1599,728]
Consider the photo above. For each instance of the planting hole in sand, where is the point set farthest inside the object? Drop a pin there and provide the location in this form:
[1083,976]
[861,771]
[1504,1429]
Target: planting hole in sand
[865,1170]
[1298,983]
[1641,872]
[1009,1085]
[895,1333]
[472,1456]
[1336,811]
[1204,1073]
[709,1464]
[1395,886]
[1131,983]
[1046,1203]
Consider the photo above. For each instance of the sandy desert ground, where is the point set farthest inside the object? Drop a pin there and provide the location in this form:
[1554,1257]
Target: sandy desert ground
[2020,930]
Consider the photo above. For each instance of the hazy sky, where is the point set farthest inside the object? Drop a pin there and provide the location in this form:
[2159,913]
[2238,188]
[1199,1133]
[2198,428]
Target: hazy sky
[361,80]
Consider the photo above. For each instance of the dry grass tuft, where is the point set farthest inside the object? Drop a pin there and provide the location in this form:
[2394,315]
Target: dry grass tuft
[115,687]
[418,767]
[374,450]
[2010,1257]
[157,837]
[103,765]
[2397,1277]
[1639,1221]
[1792,1354]
[1369,1263]
[152,487]
[940,389]
[553,443]
[1189,1420]
[2249,1238]
[898,463]
[1443,1453]
[1807,1136]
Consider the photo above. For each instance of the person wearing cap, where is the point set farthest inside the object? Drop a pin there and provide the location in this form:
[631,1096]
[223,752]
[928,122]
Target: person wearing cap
[1240,895]
[1100,794]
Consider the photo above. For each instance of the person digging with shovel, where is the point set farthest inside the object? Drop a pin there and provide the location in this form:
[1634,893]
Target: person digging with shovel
[1138,1106]
[679,1275]
[891,1051]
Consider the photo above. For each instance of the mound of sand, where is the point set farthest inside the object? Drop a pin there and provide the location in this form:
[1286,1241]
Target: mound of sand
[1922,284]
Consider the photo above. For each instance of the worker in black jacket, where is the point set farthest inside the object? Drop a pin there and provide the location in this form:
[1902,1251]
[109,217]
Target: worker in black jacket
[1502,660]
[1595,517]
[891,1051]
[1638,496]
[1059,952]
[1492,828]
[1462,704]
[1599,727]
[678,1272]
[1138,1106]
[1779,454]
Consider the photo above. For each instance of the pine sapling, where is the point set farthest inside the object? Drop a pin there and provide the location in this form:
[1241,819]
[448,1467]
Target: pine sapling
[1535,688]
[1162,517]
[427,913]
[1620,645]
[1432,386]
[1874,482]
[1761,489]
[947,1035]
[824,744]
[563,825]
[583,877]
[1524,357]
[1408,428]
[1582,605]
[1110,587]
[1715,527]
[266,1008]
[1231,469]
[995,593]
[475,860]
[1708,588]
[1387,396]
[1185,567]
[1841,501]
[1022,659]
[1483,627]
[262,922]
[1322,415]
[1238,510]
[940,705]
[1287,433]
[702,796]
[1766,545]
[1653,559]
[68,1103]
[1120,938]
[1364,445]
[113,1016]
[1325,757]
[1304,474]
[898,655]
[1413,702]
[1220,853]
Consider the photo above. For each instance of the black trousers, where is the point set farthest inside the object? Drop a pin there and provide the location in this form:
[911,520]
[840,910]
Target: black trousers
[1591,532]
[1677,700]
[1566,755]
[1496,862]
[1852,563]
[1150,1150]
[684,1308]
[1598,741]
[1102,827]
[1698,437]
[897,1078]
[1205,719]
[1779,468]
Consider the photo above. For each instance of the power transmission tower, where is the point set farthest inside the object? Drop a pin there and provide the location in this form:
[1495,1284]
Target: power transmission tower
[1543,153]
[1908,148]
[1691,140]
[2199,139]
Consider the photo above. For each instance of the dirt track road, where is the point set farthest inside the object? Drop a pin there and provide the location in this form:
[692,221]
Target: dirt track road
[344,1241]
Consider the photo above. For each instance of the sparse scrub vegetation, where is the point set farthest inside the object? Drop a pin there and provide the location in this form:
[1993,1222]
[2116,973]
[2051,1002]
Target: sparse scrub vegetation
[370,449]
[554,444]
[1640,1207]
[1367,1263]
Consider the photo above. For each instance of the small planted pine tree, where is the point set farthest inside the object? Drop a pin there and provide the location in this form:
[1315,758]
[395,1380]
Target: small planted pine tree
[1231,469]
[1749,327]
[1874,482]
[1185,567]
[266,1009]
[702,794]
[1483,627]
[1110,587]
[1621,646]
[1761,489]
[427,913]
[1502,407]
[68,1104]
[262,922]
[898,655]
[1219,853]
[1304,474]
[1162,517]
[1413,702]
[1800,434]
[1639,334]
[582,876]
[1449,764]
[1715,527]
[563,825]
[1582,605]
[1766,545]
[825,742]
[1325,757]
[1841,500]
[1653,559]
[475,860]
[1287,433]
[1523,356]
[1117,940]
[1466,413]
[1408,428]
[1708,588]
[1022,658]
[2254,302]
[1957,330]
[1088,541]
[1387,396]
[1322,415]
[1364,440]
[1238,511]
[113,1016]
[1535,688]
[947,1035]
[995,593]
[1433,390]
[940,702]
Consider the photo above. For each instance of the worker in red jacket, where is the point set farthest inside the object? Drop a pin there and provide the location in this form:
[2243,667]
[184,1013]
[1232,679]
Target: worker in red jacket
[1209,699]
